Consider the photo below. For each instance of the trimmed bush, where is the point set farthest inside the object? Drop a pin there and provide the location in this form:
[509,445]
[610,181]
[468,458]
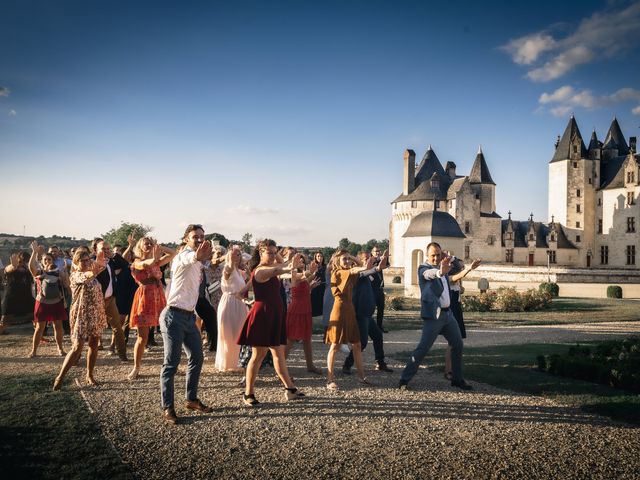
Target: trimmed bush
[478,303]
[534,300]
[508,300]
[393,302]
[551,288]
[614,291]
[396,279]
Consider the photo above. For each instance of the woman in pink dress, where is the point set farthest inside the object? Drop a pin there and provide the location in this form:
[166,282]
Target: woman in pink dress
[232,312]
[149,299]
[87,317]
[299,320]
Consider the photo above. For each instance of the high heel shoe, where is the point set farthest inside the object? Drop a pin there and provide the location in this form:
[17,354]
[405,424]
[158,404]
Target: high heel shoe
[250,400]
[293,394]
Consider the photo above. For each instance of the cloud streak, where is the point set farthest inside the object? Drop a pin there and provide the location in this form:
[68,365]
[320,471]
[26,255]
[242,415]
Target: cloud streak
[4,91]
[248,210]
[602,35]
[566,98]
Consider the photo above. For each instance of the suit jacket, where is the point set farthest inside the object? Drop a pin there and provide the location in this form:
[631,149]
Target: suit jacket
[364,300]
[115,262]
[430,291]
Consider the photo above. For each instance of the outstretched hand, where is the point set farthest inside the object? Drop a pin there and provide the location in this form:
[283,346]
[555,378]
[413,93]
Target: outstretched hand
[476,263]
[204,251]
[131,241]
[34,246]
[445,265]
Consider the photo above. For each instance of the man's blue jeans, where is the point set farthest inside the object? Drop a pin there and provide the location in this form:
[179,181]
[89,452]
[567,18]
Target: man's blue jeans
[368,328]
[178,328]
[446,325]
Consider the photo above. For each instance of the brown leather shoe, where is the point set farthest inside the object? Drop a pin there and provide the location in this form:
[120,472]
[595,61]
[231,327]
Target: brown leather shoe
[198,405]
[169,415]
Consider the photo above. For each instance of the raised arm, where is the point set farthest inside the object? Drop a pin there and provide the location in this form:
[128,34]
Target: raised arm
[465,272]
[167,255]
[264,274]
[32,261]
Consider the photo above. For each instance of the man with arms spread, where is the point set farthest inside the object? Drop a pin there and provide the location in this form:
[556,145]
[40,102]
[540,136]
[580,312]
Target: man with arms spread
[178,322]
[436,317]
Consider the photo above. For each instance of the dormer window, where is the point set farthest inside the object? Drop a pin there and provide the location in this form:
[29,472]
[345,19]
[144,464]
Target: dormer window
[531,237]
[631,177]
[509,236]
[552,238]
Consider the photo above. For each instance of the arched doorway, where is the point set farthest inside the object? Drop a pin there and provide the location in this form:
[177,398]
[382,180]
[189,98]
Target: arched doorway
[417,257]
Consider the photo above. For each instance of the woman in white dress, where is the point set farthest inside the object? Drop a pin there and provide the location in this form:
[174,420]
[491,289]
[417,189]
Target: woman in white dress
[232,312]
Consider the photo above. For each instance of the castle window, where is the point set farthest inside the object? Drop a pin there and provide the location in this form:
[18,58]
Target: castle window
[589,180]
[578,193]
[552,256]
[531,237]
[414,203]
[490,240]
[509,235]
[631,200]
[599,225]
[552,238]
[436,204]
[575,149]
[630,177]
[599,201]
[631,225]
[467,251]
[467,227]
[577,238]
[578,208]
[509,255]
[604,255]
[631,254]
[477,196]
[575,164]
[395,206]
[577,224]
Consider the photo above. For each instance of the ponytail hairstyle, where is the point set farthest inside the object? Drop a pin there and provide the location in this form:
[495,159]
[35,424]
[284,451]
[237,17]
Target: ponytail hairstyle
[261,246]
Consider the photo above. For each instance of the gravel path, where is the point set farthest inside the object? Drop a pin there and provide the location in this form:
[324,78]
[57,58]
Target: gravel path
[373,432]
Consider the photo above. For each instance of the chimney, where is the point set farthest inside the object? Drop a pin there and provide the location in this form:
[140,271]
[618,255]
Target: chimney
[632,144]
[450,169]
[409,172]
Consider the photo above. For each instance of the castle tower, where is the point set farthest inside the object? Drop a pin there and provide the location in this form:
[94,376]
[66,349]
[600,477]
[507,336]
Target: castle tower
[572,184]
[482,184]
[614,143]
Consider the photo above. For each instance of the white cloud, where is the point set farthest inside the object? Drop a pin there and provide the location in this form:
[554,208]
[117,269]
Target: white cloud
[12,113]
[603,35]
[247,210]
[4,91]
[566,98]
[636,110]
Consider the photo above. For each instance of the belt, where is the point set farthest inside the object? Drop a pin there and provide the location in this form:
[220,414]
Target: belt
[181,310]
[445,309]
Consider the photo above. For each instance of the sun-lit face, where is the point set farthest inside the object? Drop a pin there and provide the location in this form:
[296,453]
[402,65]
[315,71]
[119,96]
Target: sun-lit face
[318,258]
[54,251]
[47,262]
[85,263]
[194,238]
[268,255]
[375,251]
[147,245]
[364,257]
[105,248]
[434,254]
[344,261]
[236,256]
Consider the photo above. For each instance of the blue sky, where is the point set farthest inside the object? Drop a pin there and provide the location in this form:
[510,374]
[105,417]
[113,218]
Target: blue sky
[289,119]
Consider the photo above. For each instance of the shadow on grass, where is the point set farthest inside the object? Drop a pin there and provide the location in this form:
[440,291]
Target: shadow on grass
[49,434]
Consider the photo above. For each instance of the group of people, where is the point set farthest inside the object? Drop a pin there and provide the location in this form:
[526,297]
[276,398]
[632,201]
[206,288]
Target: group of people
[209,290]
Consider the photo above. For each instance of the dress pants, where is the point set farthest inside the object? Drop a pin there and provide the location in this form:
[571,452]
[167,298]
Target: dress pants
[113,318]
[178,328]
[379,293]
[446,325]
[368,328]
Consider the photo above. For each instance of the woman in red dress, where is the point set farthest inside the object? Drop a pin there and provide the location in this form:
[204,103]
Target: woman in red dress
[265,328]
[149,299]
[299,320]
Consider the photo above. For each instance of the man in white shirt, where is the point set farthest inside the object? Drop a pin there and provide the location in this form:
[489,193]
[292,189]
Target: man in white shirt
[437,317]
[178,323]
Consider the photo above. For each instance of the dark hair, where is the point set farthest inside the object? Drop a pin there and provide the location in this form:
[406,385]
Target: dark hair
[255,255]
[24,256]
[190,228]
[433,244]
[94,244]
[321,254]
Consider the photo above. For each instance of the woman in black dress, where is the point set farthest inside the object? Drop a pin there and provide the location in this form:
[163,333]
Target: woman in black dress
[17,299]
[317,293]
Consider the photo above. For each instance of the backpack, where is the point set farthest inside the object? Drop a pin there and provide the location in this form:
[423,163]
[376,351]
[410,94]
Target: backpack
[50,287]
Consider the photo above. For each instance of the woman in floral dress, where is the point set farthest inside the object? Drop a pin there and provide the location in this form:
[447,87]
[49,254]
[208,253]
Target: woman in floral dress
[149,299]
[87,317]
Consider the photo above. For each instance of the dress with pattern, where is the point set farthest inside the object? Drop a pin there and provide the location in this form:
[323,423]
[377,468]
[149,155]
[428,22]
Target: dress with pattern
[231,315]
[87,317]
[299,313]
[343,327]
[149,299]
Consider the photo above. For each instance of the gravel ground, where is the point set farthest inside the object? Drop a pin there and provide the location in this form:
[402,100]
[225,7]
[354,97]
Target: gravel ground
[373,432]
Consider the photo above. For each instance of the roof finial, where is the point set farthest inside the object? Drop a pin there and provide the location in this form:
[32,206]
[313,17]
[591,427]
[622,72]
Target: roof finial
[531,217]
[552,217]
[509,213]
[479,149]
[429,148]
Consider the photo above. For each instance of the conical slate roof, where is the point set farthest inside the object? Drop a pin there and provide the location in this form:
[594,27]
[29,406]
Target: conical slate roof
[594,143]
[563,150]
[430,163]
[480,171]
[615,139]
[434,224]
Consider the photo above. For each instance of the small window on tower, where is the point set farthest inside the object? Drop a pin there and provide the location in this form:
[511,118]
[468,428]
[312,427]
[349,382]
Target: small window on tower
[599,201]
[577,238]
[575,164]
[467,227]
[577,224]
[589,180]
[578,193]
[578,208]
[414,203]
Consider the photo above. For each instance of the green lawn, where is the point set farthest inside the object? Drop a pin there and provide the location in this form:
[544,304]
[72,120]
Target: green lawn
[513,367]
[562,311]
[51,435]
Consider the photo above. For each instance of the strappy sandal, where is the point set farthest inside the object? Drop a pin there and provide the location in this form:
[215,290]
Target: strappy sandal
[364,381]
[332,386]
[293,394]
[250,400]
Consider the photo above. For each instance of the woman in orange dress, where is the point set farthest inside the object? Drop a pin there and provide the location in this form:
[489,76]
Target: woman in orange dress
[343,327]
[149,299]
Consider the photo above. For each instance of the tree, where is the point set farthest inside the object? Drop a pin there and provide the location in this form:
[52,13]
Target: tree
[118,236]
[245,242]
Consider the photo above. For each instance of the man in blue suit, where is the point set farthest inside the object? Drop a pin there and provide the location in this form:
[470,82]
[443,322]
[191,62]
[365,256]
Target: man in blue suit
[436,317]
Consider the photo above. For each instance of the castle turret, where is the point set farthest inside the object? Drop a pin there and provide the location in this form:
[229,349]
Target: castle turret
[614,143]
[482,184]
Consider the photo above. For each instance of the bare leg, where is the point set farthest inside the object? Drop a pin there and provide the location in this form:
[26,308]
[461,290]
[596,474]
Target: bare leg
[69,361]
[331,357]
[58,333]
[357,356]
[92,355]
[280,366]
[138,351]
[289,347]
[257,355]
[308,356]
[37,336]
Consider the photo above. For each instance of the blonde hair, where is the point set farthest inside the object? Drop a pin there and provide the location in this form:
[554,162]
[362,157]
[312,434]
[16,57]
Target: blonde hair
[137,249]
[80,252]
